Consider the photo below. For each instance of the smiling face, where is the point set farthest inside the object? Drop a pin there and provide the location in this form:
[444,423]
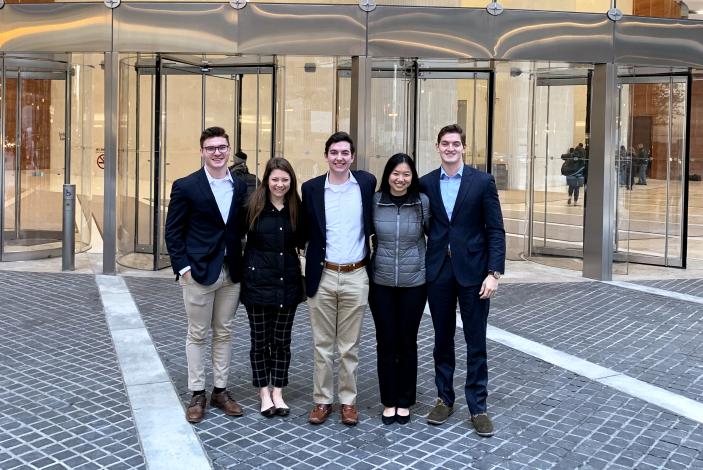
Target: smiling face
[279,184]
[215,154]
[339,158]
[400,179]
[451,151]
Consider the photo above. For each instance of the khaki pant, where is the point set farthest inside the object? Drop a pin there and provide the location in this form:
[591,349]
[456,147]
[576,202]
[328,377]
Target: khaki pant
[209,307]
[336,316]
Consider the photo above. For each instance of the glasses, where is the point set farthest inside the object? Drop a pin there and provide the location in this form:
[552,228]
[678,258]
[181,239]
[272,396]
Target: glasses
[212,149]
[344,153]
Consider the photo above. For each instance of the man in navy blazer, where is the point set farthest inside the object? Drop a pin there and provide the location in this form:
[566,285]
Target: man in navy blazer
[337,209]
[465,259]
[205,223]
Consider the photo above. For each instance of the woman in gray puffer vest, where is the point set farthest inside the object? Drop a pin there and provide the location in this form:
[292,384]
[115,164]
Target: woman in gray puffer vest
[398,292]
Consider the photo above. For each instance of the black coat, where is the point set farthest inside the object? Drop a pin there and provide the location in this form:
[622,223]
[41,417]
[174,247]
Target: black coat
[272,275]
[196,235]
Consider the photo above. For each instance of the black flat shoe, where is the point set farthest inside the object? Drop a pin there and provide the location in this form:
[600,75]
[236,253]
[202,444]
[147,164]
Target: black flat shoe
[402,419]
[282,411]
[269,412]
[388,419]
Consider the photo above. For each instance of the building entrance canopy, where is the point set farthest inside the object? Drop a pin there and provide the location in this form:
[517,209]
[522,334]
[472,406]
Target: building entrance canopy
[387,31]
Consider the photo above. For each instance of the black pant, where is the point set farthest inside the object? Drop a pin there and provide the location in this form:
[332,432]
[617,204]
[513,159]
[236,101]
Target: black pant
[270,344]
[443,294]
[397,312]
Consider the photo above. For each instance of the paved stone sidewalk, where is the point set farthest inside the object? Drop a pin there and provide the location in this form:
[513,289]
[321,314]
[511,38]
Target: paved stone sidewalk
[649,337]
[546,417]
[682,286]
[62,400]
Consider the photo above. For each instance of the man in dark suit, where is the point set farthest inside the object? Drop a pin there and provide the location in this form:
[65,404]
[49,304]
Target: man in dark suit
[204,226]
[465,259]
[337,209]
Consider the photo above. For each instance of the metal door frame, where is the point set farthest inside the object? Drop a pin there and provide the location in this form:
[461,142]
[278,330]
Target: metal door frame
[168,65]
[670,79]
[19,73]
[550,81]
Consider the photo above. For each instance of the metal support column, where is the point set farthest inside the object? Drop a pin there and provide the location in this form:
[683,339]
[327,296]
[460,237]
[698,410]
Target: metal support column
[600,211]
[111,128]
[360,107]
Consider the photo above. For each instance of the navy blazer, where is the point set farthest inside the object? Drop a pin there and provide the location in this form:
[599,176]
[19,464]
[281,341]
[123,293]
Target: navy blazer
[316,228]
[476,232]
[195,233]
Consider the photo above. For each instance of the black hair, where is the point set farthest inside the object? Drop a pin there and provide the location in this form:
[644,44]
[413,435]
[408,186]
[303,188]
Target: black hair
[394,161]
[340,137]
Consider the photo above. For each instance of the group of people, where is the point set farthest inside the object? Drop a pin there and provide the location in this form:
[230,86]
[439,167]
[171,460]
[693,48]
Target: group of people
[633,162]
[436,239]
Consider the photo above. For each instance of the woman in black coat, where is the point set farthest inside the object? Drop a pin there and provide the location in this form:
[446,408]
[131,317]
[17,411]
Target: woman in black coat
[272,285]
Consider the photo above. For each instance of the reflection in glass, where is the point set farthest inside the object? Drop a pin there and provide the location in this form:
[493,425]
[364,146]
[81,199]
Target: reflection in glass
[443,99]
[650,169]
[192,97]
[390,98]
[560,149]
[309,104]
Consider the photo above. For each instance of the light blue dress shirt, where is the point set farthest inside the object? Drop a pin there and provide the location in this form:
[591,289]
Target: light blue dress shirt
[449,187]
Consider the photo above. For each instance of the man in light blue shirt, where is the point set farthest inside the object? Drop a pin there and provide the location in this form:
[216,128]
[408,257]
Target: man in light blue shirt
[465,259]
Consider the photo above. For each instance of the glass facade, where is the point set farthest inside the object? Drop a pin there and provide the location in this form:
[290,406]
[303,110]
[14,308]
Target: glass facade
[47,130]
[523,119]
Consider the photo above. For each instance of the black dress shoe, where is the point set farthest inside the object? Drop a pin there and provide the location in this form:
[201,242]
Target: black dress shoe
[388,419]
[402,419]
[282,411]
[269,412]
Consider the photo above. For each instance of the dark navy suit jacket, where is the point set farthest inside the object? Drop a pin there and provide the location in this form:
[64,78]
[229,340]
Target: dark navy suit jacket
[195,233]
[475,231]
[316,229]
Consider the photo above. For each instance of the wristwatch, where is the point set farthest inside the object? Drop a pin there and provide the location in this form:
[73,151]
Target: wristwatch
[495,274]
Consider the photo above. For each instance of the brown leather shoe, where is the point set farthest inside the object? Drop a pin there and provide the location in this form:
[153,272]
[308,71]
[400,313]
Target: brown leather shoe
[349,415]
[319,414]
[226,403]
[196,408]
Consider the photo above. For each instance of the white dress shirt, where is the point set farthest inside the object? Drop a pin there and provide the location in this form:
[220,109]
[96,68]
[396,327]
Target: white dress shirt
[344,219]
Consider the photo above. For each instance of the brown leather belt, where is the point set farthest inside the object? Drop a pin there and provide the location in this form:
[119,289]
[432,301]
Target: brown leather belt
[345,268]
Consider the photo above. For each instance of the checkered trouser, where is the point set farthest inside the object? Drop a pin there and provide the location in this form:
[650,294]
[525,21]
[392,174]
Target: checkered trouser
[270,344]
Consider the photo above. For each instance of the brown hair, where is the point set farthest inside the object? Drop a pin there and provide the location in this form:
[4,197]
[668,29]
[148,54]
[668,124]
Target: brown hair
[211,132]
[258,199]
[340,137]
[452,129]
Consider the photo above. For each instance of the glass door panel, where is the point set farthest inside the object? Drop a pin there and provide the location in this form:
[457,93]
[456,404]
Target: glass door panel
[391,98]
[560,166]
[255,124]
[221,102]
[650,167]
[167,103]
[144,184]
[446,98]
[34,160]
[181,119]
